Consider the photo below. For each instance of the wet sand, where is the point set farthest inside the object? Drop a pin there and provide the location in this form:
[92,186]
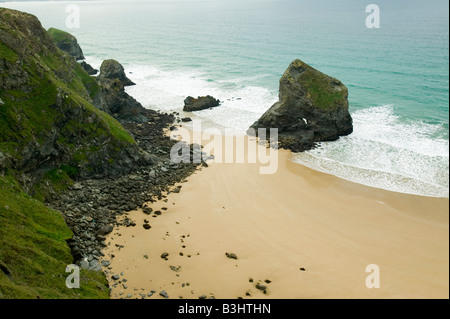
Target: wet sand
[310,234]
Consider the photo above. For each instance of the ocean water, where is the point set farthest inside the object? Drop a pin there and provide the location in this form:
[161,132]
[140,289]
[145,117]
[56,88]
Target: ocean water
[236,50]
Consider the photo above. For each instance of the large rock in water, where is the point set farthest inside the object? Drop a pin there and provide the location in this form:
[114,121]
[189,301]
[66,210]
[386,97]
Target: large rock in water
[202,102]
[67,43]
[312,107]
[111,69]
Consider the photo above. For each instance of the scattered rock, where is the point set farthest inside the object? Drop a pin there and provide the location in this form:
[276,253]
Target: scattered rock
[302,269]
[84,264]
[106,229]
[261,288]
[147,226]
[164,294]
[164,256]
[176,269]
[231,255]
[186,119]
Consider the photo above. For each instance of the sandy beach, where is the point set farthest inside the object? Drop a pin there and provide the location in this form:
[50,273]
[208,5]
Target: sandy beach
[308,234]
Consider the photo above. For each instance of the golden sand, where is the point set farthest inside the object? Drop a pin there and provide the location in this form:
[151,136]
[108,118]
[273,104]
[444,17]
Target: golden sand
[277,225]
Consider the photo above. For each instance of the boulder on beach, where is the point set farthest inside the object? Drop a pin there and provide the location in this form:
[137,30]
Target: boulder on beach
[202,102]
[67,43]
[312,107]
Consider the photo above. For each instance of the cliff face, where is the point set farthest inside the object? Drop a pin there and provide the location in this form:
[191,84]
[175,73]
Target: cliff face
[47,119]
[112,98]
[67,43]
[312,107]
[49,132]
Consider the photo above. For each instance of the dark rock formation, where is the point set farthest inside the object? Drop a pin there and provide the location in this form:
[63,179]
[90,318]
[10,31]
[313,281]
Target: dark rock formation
[312,107]
[112,97]
[202,102]
[113,70]
[66,42]
[88,68]
[48,120]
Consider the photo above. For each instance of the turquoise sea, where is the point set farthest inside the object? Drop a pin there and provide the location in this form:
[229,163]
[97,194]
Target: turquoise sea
[236,50]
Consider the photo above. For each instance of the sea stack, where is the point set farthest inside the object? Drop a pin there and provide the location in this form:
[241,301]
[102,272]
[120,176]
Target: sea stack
[312,107]
[111,69]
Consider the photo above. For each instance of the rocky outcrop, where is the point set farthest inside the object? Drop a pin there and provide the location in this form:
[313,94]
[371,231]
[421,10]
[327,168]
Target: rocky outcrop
[56,146]
[312,107]
[112,97]
[88,68]
[202,102]
[113,70]
[67,43]
[48,119]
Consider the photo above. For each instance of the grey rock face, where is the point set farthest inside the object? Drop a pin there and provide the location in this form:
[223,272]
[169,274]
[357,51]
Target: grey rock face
[312,107]
[112,97]
[112,70]
[67,43]
[88,68]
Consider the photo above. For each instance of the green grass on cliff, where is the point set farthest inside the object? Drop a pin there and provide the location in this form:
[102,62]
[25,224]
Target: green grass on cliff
[8,54]
[34,253]
[60,36]
[48,95]
[319,86]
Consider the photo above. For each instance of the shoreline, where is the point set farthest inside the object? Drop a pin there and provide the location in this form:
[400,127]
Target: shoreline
[277,225]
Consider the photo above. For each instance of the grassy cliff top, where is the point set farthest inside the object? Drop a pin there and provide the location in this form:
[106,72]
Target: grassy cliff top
[325,92]
[60,36]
